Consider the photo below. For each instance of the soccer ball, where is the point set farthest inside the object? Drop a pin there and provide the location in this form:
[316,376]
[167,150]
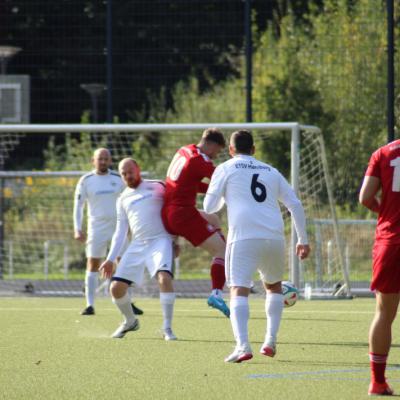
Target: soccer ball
[290,294]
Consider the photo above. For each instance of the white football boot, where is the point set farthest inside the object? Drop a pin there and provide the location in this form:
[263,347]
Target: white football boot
[241,353]
[268,348]
[168,334]
[124,328]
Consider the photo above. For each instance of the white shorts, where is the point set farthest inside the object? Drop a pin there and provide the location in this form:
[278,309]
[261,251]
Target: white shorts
[156,255]
[99,238]
[244,257]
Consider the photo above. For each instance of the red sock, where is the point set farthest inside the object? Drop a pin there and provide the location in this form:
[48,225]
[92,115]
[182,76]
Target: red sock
[217,273]
[378,367]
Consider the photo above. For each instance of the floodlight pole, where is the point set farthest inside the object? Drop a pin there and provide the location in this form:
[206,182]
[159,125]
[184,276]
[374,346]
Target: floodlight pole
[390,70]
[249,61]
[109,56]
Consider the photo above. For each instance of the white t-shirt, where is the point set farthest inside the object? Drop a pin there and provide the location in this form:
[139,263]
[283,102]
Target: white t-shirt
[101,193]
[139,210]
[251,190]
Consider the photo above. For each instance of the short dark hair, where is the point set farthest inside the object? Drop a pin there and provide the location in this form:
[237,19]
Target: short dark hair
[213,135]
[242,141]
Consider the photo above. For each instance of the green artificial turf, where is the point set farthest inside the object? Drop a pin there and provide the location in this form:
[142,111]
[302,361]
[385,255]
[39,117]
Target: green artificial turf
[49,351]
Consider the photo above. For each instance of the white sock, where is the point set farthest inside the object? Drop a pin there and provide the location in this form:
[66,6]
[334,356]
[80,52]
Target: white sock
[239,319]
[91,283]
[216,292]
[273,310]
[167,301]
[124,305]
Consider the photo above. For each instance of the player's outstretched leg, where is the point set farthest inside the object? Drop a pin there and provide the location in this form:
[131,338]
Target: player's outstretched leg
[215,245]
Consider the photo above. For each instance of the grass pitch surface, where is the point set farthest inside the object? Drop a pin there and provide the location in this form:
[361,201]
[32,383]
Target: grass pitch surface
[49,351]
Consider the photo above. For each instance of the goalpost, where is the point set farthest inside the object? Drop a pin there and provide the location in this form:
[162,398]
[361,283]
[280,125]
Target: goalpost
[36,206]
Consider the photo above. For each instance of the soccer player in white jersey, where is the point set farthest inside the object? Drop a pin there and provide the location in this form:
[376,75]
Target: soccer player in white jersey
[100,189]
[151,247]
[251,190]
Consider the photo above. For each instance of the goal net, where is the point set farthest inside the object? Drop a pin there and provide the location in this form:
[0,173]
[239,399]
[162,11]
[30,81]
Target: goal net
[38,252]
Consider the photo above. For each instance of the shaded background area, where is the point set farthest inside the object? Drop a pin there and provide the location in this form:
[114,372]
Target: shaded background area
[155,44]
[319,62]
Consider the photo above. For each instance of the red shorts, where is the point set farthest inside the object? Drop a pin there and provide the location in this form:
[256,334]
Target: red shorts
[187,222]
[386,268]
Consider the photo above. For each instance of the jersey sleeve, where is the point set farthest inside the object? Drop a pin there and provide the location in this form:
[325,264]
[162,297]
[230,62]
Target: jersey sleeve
[288,197]
[374,165]
[120,233]
[214,199]
[80,197]
[204,168]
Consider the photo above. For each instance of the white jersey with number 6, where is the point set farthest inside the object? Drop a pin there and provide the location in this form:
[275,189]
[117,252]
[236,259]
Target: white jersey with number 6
[252,190]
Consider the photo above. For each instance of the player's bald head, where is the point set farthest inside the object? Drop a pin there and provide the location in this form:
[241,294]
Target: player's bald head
[130,172]
[101,160]
[127,162]
[101,152]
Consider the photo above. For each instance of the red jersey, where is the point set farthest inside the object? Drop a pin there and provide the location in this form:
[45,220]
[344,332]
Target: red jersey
[185,174]
[385,165]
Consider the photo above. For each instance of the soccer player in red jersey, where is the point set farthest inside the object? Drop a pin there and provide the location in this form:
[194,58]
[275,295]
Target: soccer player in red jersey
[383,174]
[190,165]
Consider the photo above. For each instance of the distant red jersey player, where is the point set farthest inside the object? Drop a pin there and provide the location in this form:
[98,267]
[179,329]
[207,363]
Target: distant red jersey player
[190,165]
[383,174]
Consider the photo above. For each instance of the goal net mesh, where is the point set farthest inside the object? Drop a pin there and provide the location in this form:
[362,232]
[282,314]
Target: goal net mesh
[39,254]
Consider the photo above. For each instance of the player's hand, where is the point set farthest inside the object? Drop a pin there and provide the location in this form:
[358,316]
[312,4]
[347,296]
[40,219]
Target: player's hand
[302,251]
[106,269]
[80,236]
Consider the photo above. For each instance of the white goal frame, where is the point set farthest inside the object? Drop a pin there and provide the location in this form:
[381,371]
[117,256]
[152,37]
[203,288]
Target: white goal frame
[294,128]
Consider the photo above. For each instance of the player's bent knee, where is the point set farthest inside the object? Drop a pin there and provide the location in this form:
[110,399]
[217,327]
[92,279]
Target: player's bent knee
[164,279]
[93,264]
[273,287]
[164,276]
[118,289]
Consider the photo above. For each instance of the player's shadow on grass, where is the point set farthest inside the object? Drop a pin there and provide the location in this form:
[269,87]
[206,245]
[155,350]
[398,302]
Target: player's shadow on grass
[324,363]
[343,344]
[318,319]
[203,317]
[183,340]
